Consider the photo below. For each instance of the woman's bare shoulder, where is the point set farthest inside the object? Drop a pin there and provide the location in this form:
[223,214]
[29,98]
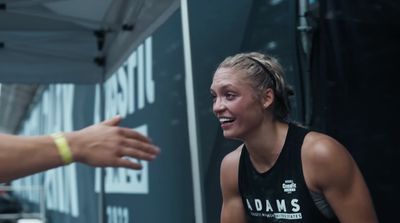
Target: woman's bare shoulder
[232,159]
[327,155]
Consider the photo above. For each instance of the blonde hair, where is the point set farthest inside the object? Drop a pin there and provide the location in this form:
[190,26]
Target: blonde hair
[264,72]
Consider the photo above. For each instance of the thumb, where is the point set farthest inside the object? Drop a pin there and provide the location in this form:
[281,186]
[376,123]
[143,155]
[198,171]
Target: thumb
[114,121]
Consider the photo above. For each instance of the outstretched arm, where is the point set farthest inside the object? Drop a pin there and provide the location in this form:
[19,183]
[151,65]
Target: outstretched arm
[103,144]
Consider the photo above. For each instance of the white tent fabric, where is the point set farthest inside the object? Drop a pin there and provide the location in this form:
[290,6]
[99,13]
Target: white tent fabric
[67,41]
[50,41]
[47,41]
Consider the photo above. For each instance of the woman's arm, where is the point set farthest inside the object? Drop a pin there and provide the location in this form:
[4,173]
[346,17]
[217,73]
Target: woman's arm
[330,170]
[232,207]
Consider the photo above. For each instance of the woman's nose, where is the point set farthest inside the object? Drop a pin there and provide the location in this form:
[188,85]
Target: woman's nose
[218,105]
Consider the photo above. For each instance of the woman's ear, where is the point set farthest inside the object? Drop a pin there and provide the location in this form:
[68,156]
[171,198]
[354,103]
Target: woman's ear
[268,98]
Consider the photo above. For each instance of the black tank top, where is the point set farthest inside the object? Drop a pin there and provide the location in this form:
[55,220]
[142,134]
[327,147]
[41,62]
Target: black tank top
[281,193]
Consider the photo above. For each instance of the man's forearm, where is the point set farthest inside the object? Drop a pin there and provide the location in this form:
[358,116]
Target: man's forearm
[100,145]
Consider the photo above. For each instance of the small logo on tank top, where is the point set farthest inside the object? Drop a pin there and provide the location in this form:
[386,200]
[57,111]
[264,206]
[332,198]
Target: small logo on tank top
[289,186]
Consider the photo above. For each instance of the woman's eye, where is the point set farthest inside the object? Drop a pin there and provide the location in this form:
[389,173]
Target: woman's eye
[230,96]
[213,98]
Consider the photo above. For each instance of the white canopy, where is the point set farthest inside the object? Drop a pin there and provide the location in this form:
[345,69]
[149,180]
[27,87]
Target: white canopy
[47,41]
[67,41]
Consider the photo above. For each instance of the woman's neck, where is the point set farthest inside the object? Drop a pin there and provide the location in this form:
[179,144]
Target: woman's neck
[265,145]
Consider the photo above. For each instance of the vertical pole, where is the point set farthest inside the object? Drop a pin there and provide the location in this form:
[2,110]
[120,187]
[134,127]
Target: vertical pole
[102,202]
[191,114]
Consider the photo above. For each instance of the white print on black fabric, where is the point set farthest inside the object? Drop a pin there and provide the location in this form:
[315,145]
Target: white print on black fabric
[279,208]
[289,186]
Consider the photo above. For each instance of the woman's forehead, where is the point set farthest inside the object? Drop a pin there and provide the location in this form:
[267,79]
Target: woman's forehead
[226,77]
[229,74]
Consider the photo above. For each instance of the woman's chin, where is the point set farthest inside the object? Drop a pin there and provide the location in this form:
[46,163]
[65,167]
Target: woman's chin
[230,135]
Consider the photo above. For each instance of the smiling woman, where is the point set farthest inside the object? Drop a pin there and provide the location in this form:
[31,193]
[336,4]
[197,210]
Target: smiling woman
[235,79]
[272,176]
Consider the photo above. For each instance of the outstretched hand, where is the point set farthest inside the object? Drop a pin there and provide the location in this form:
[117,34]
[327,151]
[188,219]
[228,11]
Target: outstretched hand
[106,144]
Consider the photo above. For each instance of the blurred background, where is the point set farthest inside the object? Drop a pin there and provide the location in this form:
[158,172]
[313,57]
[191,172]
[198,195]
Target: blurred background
[65,64]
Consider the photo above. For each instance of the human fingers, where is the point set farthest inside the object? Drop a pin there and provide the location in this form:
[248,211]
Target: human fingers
[137,154]
[132,134]
[135,146]
[129,163]
[114,121]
